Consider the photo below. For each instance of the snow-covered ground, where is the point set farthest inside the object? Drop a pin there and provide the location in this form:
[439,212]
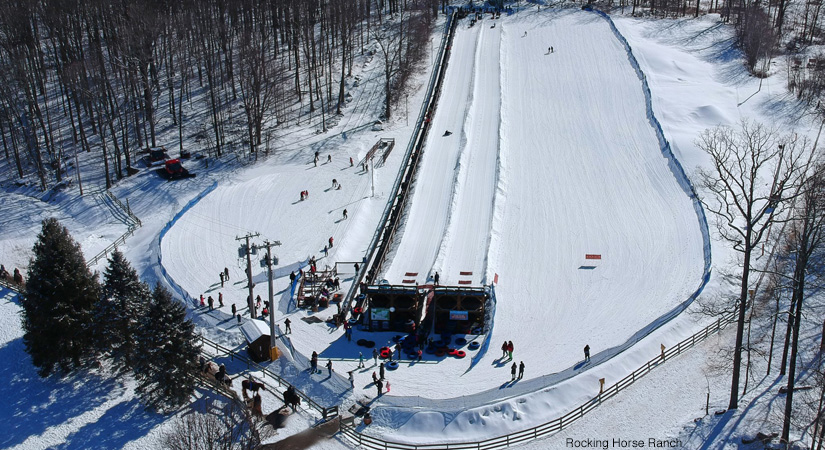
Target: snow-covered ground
[551,157]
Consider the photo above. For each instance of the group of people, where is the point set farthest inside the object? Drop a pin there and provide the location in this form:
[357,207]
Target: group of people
[17,277]
[304,195]
[211,302]
[507,350]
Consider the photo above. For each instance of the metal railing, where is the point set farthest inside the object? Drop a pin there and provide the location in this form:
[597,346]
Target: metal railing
[558,424]
[136,223]
[327,412]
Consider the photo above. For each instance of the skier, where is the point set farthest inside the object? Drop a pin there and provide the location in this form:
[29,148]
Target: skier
[330,242]
[360,360]
[287,323]
[375,356]
[381,371]
[435,278]
[513,372]
[226,273]
[587,353]
[329,366]
[510,349]
[520,370]
[504,349]
[220,299]
[345,213]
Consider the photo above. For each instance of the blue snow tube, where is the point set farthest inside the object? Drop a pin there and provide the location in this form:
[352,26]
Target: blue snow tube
[392,365]
[474,345]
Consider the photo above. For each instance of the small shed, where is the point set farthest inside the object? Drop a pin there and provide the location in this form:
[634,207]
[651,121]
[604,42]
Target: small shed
[256,333]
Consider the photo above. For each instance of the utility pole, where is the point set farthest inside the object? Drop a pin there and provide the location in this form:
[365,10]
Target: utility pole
[248,251]
[372,177]
[268,246]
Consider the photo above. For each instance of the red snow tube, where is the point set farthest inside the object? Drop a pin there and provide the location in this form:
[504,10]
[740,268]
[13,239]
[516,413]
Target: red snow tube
[460,354]
[452,352]
[357,310]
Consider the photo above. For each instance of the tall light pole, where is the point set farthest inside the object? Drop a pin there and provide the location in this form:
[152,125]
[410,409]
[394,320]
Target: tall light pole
[248,251]
[407,106]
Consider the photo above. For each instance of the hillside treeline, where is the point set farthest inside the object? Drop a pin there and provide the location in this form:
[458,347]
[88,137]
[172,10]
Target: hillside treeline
[98,76]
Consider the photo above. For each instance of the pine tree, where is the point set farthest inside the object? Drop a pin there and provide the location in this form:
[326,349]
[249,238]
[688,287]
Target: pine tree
[119,310]
[166,353]
[58,303]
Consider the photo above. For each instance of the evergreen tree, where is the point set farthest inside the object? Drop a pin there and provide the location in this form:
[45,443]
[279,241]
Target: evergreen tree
[58,303]
[119,310]
[166,355]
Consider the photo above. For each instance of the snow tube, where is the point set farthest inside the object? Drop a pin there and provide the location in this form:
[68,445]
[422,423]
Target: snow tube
[474,345]
[452,352]
[357,310]
[392,365]
[460,341]
[440,353]
[385,354]
[460,354]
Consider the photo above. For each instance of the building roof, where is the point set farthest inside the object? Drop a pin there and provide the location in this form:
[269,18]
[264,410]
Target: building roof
[254,329]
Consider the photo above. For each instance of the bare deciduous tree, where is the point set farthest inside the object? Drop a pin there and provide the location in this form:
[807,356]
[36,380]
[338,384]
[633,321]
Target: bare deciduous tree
[754,173]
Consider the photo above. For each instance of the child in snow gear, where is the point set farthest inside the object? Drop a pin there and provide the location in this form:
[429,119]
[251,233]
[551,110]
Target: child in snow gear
[513,372]
[329,366]
[587,353]
[287,324]
[520,369]
[360,360]
[510,349]
[504,349]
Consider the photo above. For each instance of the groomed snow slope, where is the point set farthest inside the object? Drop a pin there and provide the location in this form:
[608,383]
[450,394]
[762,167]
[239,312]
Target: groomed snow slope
[580,171]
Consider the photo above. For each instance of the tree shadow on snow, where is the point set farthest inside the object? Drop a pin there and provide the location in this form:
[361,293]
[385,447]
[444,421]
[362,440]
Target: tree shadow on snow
[121,424]
[32,404]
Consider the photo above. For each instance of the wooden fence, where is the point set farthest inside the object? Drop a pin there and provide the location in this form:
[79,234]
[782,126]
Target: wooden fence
[349,432]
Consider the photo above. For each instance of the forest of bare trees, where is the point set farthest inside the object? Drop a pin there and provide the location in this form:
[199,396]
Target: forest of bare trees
[109,77]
